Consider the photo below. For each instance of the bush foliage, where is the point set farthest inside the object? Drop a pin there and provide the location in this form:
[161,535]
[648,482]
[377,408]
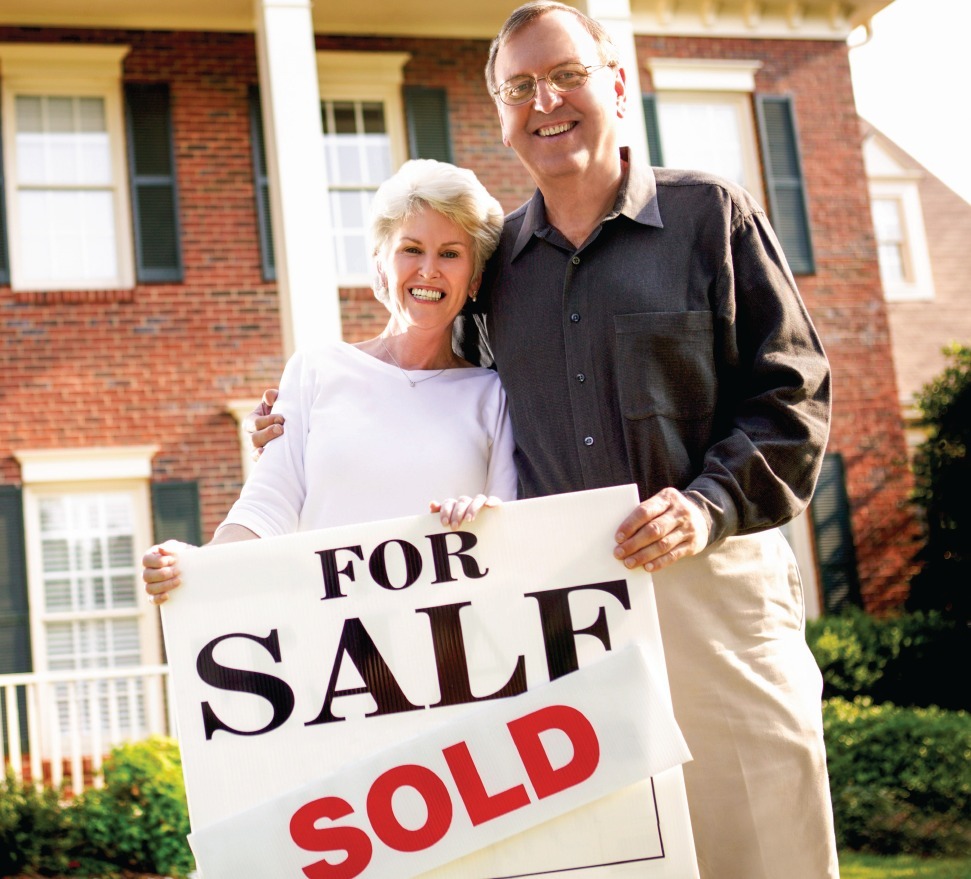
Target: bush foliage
[138,820]
[900,778]
[942,474]
[909,660]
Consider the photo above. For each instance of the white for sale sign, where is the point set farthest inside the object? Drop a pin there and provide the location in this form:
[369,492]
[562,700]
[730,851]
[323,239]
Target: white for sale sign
[395,699]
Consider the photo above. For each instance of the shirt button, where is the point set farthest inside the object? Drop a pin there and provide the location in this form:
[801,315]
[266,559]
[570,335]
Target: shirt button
[588,440]
[575,317]
[581,377]
[576,260]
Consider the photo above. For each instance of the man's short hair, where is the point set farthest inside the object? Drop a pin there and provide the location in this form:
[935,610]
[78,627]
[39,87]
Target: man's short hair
[527,14]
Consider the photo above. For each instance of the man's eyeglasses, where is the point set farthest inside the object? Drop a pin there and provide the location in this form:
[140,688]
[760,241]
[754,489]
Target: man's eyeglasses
[562,78]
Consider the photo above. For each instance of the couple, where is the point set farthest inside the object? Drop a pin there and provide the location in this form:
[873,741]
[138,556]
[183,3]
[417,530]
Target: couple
[646,329]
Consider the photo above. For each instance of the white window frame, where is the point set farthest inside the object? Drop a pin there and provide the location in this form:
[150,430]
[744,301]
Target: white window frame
[889,179]
[729,83]
[54,473]
[368,77]
[919,283]
[44,70]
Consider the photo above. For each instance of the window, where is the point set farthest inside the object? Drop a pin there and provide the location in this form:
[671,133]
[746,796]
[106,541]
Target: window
[364,143]
[358,153]
[898,225]
[706,120]
[87,521]
[888,224]
[65,170]
[705,115]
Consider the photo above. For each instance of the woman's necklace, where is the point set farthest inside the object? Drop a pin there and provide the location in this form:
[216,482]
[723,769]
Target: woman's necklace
[408,378]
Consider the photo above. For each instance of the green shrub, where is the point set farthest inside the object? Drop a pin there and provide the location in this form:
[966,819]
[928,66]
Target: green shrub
[900,778]
[907,659]
[33,827]
[139,819]
[942,477]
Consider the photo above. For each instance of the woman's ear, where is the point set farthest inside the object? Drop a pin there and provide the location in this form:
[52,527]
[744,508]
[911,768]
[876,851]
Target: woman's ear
[474,285]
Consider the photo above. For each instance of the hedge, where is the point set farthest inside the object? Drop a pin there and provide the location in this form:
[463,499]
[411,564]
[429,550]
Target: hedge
[138,821]
[909,660]
[900,777]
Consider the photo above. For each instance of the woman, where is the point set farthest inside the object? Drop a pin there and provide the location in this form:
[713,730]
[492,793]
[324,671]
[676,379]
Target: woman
[377,428]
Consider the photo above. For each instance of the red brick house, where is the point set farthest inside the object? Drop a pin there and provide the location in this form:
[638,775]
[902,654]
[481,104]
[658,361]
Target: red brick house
[146,298]
[923,230]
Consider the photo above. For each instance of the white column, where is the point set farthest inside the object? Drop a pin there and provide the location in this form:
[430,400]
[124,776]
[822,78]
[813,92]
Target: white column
[290,97]
[615,16]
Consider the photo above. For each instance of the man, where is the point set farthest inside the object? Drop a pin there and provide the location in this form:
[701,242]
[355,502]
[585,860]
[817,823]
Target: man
[647,329]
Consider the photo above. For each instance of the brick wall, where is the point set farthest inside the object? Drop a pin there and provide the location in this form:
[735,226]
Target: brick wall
[159,364]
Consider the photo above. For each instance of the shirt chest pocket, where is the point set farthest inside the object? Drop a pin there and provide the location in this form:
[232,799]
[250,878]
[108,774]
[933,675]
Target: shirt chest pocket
[666,364]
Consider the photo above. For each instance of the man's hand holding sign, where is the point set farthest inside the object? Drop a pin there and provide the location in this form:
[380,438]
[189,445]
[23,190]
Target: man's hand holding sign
[393,698]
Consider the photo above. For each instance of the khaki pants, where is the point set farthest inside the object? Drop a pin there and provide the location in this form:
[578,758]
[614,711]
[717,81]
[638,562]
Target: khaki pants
[746,693]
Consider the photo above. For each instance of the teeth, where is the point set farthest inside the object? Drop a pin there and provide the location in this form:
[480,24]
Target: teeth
[555,129]
[427,295]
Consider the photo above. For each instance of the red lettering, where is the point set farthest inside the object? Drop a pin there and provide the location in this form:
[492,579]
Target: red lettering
[586,748]
[480,805]
[386,824]
[351,840]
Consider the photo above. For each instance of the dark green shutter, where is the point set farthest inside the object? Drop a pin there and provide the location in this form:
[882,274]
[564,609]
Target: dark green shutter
[261,185]
[426,110]
[784,182]
[155,203]
[653,131]
[14,608]
[4,258]
[175,512]
[832,529]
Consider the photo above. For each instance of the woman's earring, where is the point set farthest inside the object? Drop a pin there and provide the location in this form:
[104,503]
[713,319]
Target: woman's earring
[473,294]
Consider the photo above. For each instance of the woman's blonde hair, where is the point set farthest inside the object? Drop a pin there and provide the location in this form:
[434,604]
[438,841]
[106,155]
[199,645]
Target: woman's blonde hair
[454,192]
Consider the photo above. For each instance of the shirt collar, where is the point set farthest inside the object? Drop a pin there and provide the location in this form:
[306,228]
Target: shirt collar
[636,200]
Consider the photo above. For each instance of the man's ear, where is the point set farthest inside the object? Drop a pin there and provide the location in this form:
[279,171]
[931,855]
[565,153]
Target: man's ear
[502,129]
[620,89]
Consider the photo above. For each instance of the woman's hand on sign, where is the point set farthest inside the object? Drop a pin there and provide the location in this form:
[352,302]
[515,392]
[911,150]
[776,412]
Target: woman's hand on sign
[261,424]
[160,570]
[455,512]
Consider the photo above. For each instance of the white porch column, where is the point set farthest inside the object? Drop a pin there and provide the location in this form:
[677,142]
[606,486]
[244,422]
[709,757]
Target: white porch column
[292,130]
[615,16]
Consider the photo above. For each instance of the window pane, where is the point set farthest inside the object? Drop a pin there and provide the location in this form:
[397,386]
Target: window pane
[373,116]
[377,159]
[891,264]
[91,115]
[886,219]
[344,122]
[29,113]
[349,209]
[72,236]
[702,136]
[62,142]
[60,116]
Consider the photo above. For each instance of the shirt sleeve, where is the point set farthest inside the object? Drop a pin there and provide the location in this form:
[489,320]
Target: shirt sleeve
[501,479]
[273,495]
[774,392]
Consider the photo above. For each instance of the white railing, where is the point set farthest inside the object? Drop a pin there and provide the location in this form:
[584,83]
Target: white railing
[73,718]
